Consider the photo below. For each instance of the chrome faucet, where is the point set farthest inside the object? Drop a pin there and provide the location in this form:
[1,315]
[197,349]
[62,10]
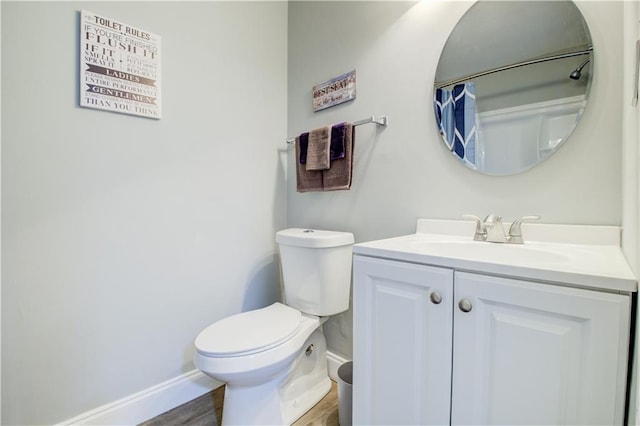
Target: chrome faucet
[491,229]
[495,229]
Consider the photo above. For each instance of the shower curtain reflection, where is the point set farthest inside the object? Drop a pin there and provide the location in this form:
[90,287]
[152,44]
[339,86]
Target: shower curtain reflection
[456,117]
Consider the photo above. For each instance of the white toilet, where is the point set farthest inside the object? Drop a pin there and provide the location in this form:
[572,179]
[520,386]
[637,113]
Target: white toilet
[273,360]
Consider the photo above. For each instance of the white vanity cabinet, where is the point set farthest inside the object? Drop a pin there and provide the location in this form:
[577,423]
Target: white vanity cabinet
[433,345]
[403,317]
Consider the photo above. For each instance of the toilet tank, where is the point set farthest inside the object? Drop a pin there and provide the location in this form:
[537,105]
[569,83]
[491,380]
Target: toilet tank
[316,269]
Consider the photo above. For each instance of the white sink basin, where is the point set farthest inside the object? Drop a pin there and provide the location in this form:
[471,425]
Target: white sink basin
[481,251]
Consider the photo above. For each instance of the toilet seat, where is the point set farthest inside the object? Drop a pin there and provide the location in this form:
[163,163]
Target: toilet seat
[249,332]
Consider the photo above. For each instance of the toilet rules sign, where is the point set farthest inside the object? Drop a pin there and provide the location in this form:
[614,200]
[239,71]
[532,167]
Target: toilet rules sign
[119,67]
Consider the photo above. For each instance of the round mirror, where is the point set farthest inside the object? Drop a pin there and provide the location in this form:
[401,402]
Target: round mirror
[512,83]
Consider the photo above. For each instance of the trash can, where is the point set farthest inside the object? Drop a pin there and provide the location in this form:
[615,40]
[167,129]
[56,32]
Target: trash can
[345,384]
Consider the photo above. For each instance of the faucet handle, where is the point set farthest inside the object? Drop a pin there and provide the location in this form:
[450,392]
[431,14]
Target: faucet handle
[481,232]
[515,231]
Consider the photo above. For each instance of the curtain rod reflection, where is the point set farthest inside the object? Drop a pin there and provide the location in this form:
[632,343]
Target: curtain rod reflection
[440,85]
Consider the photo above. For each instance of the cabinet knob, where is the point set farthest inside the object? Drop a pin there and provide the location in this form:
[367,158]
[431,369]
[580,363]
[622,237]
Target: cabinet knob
[465,305]
[435,298]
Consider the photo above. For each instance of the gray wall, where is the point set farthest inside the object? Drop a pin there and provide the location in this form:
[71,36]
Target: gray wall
[123,237]
[404,172]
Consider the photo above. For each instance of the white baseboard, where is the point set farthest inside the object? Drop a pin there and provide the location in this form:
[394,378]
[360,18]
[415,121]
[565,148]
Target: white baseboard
[148,403]
[161,398]
[334,361]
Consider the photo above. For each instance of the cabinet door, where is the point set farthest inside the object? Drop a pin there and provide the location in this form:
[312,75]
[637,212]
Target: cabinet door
[402,343]
[530,353]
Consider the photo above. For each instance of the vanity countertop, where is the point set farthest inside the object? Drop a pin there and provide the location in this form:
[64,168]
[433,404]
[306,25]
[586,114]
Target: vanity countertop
[583,256]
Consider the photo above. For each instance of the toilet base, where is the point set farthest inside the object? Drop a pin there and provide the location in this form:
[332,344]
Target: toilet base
[286,397]
[306,401]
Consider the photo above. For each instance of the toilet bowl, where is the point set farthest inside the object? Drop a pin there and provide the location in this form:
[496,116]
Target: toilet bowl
[274,360]
[275,365]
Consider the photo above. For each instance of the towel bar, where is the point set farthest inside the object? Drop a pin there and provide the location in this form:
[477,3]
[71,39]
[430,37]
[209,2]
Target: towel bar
[381,121]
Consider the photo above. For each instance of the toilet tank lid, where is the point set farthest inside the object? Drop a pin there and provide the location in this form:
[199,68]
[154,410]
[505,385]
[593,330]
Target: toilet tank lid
[313,238]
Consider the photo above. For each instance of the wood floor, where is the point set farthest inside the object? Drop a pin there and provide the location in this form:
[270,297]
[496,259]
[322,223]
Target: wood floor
[207,411]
